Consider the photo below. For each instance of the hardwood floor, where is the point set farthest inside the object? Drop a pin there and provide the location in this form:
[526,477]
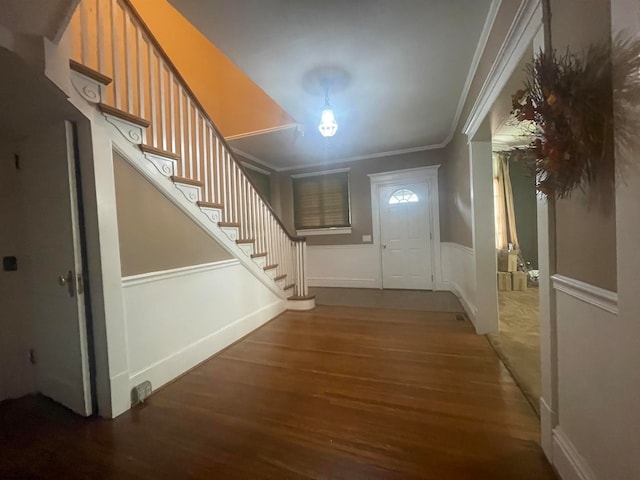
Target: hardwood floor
[334,393]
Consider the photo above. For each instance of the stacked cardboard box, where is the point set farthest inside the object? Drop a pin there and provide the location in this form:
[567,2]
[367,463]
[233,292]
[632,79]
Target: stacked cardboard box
[519,281]
[504,281]
[507,260]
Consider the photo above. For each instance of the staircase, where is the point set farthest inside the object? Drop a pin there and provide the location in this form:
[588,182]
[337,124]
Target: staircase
[119,66]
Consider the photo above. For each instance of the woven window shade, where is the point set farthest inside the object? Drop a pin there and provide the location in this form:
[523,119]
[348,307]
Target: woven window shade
[321,201]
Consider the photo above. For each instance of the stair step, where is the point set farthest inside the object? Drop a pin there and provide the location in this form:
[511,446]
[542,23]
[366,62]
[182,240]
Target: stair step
[245,240]
[122,115]
[229,224]
[89,72]
[188,181]
[209,205]
[287,287]
[257,255]
[159,152]
[301,297]
[270,267]
[280,277]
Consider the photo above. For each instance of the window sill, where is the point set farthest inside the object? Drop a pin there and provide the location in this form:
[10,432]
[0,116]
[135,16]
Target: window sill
[324,231]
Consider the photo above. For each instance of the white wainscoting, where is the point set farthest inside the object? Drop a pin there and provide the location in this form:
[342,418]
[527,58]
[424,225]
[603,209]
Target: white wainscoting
[458,275]
[597,396]
[176,319]
[356,266]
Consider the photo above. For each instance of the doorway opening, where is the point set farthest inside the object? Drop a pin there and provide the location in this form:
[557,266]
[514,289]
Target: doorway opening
[517,340]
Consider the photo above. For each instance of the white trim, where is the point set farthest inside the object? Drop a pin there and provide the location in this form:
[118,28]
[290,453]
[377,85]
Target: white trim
[451,284]
[253,158]
[343,282]
[324,231]
[427,175]
[519,38]
[358,158]
[322,172]
[596,296]
[262,132]
[251,166]
[569,463]
[482,43]
[301,305]
[150,277]
[180,361]
[548,421]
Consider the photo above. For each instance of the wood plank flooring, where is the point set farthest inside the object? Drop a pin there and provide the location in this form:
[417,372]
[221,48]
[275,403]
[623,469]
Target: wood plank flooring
[335,393]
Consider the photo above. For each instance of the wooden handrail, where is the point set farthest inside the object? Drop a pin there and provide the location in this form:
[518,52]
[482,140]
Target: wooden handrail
[205,114]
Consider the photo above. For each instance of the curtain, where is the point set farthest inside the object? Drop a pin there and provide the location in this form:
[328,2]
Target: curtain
[505,214]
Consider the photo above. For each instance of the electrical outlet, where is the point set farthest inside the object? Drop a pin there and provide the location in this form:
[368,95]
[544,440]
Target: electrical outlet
[141,392]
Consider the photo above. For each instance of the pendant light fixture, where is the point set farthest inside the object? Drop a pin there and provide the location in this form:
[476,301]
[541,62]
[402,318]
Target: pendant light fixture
[328,125]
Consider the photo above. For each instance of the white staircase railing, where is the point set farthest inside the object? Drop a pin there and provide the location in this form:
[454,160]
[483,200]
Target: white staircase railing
[110,37]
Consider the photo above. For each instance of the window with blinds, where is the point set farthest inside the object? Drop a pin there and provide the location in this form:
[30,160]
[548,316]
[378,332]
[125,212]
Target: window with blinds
[321,201]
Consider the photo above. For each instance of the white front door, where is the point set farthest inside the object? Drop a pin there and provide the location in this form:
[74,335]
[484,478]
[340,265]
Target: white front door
[55,287]
[405,236]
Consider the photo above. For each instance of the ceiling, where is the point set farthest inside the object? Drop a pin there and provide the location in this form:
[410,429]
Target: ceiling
[35,17]
[399,70]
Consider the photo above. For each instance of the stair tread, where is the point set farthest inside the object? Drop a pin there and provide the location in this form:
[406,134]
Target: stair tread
[261,254]
[291,285]
[270,267]
[229,224]
[280,277]
[301,297]
[204,204]
[159,152]
[188,181]
[82,69]
[121,114]
[246,240]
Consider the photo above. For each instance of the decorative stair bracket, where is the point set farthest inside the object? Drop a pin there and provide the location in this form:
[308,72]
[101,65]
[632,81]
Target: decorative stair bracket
[260,259]
[211,210]
[133,128]
[189,188]
[88,83]
[165,162]
[246,247]
[232,231]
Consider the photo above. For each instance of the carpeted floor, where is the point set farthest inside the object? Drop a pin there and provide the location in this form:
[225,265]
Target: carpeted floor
[518,343]
[403,299]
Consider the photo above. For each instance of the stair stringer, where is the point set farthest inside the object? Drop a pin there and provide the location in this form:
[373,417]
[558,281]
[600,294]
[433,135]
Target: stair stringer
[136,158]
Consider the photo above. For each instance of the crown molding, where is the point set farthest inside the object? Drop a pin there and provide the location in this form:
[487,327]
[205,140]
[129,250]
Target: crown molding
[473,68]
[263,131]
[526,24]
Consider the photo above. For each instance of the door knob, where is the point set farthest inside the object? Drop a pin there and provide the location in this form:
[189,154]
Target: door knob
[384,245]
[68,280]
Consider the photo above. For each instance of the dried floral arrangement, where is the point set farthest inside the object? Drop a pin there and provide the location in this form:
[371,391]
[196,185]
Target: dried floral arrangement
[570,98]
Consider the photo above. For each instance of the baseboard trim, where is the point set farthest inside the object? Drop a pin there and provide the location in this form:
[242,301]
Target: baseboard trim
[596,296]
[175,364]
[344,282]
[469,307]
[548,421]
[567,460]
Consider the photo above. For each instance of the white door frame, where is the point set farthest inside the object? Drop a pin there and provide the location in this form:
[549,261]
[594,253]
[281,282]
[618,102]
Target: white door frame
[525,31]
[429,176]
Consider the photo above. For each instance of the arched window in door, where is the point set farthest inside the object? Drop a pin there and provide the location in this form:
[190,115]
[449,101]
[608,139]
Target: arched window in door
[403,195]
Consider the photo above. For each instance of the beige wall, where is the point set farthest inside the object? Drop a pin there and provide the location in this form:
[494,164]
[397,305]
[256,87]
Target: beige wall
[360,191]
[16,375]
[585,223]
[154,234]
[455,188]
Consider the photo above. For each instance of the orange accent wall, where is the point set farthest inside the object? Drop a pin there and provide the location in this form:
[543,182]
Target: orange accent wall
[232,100]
